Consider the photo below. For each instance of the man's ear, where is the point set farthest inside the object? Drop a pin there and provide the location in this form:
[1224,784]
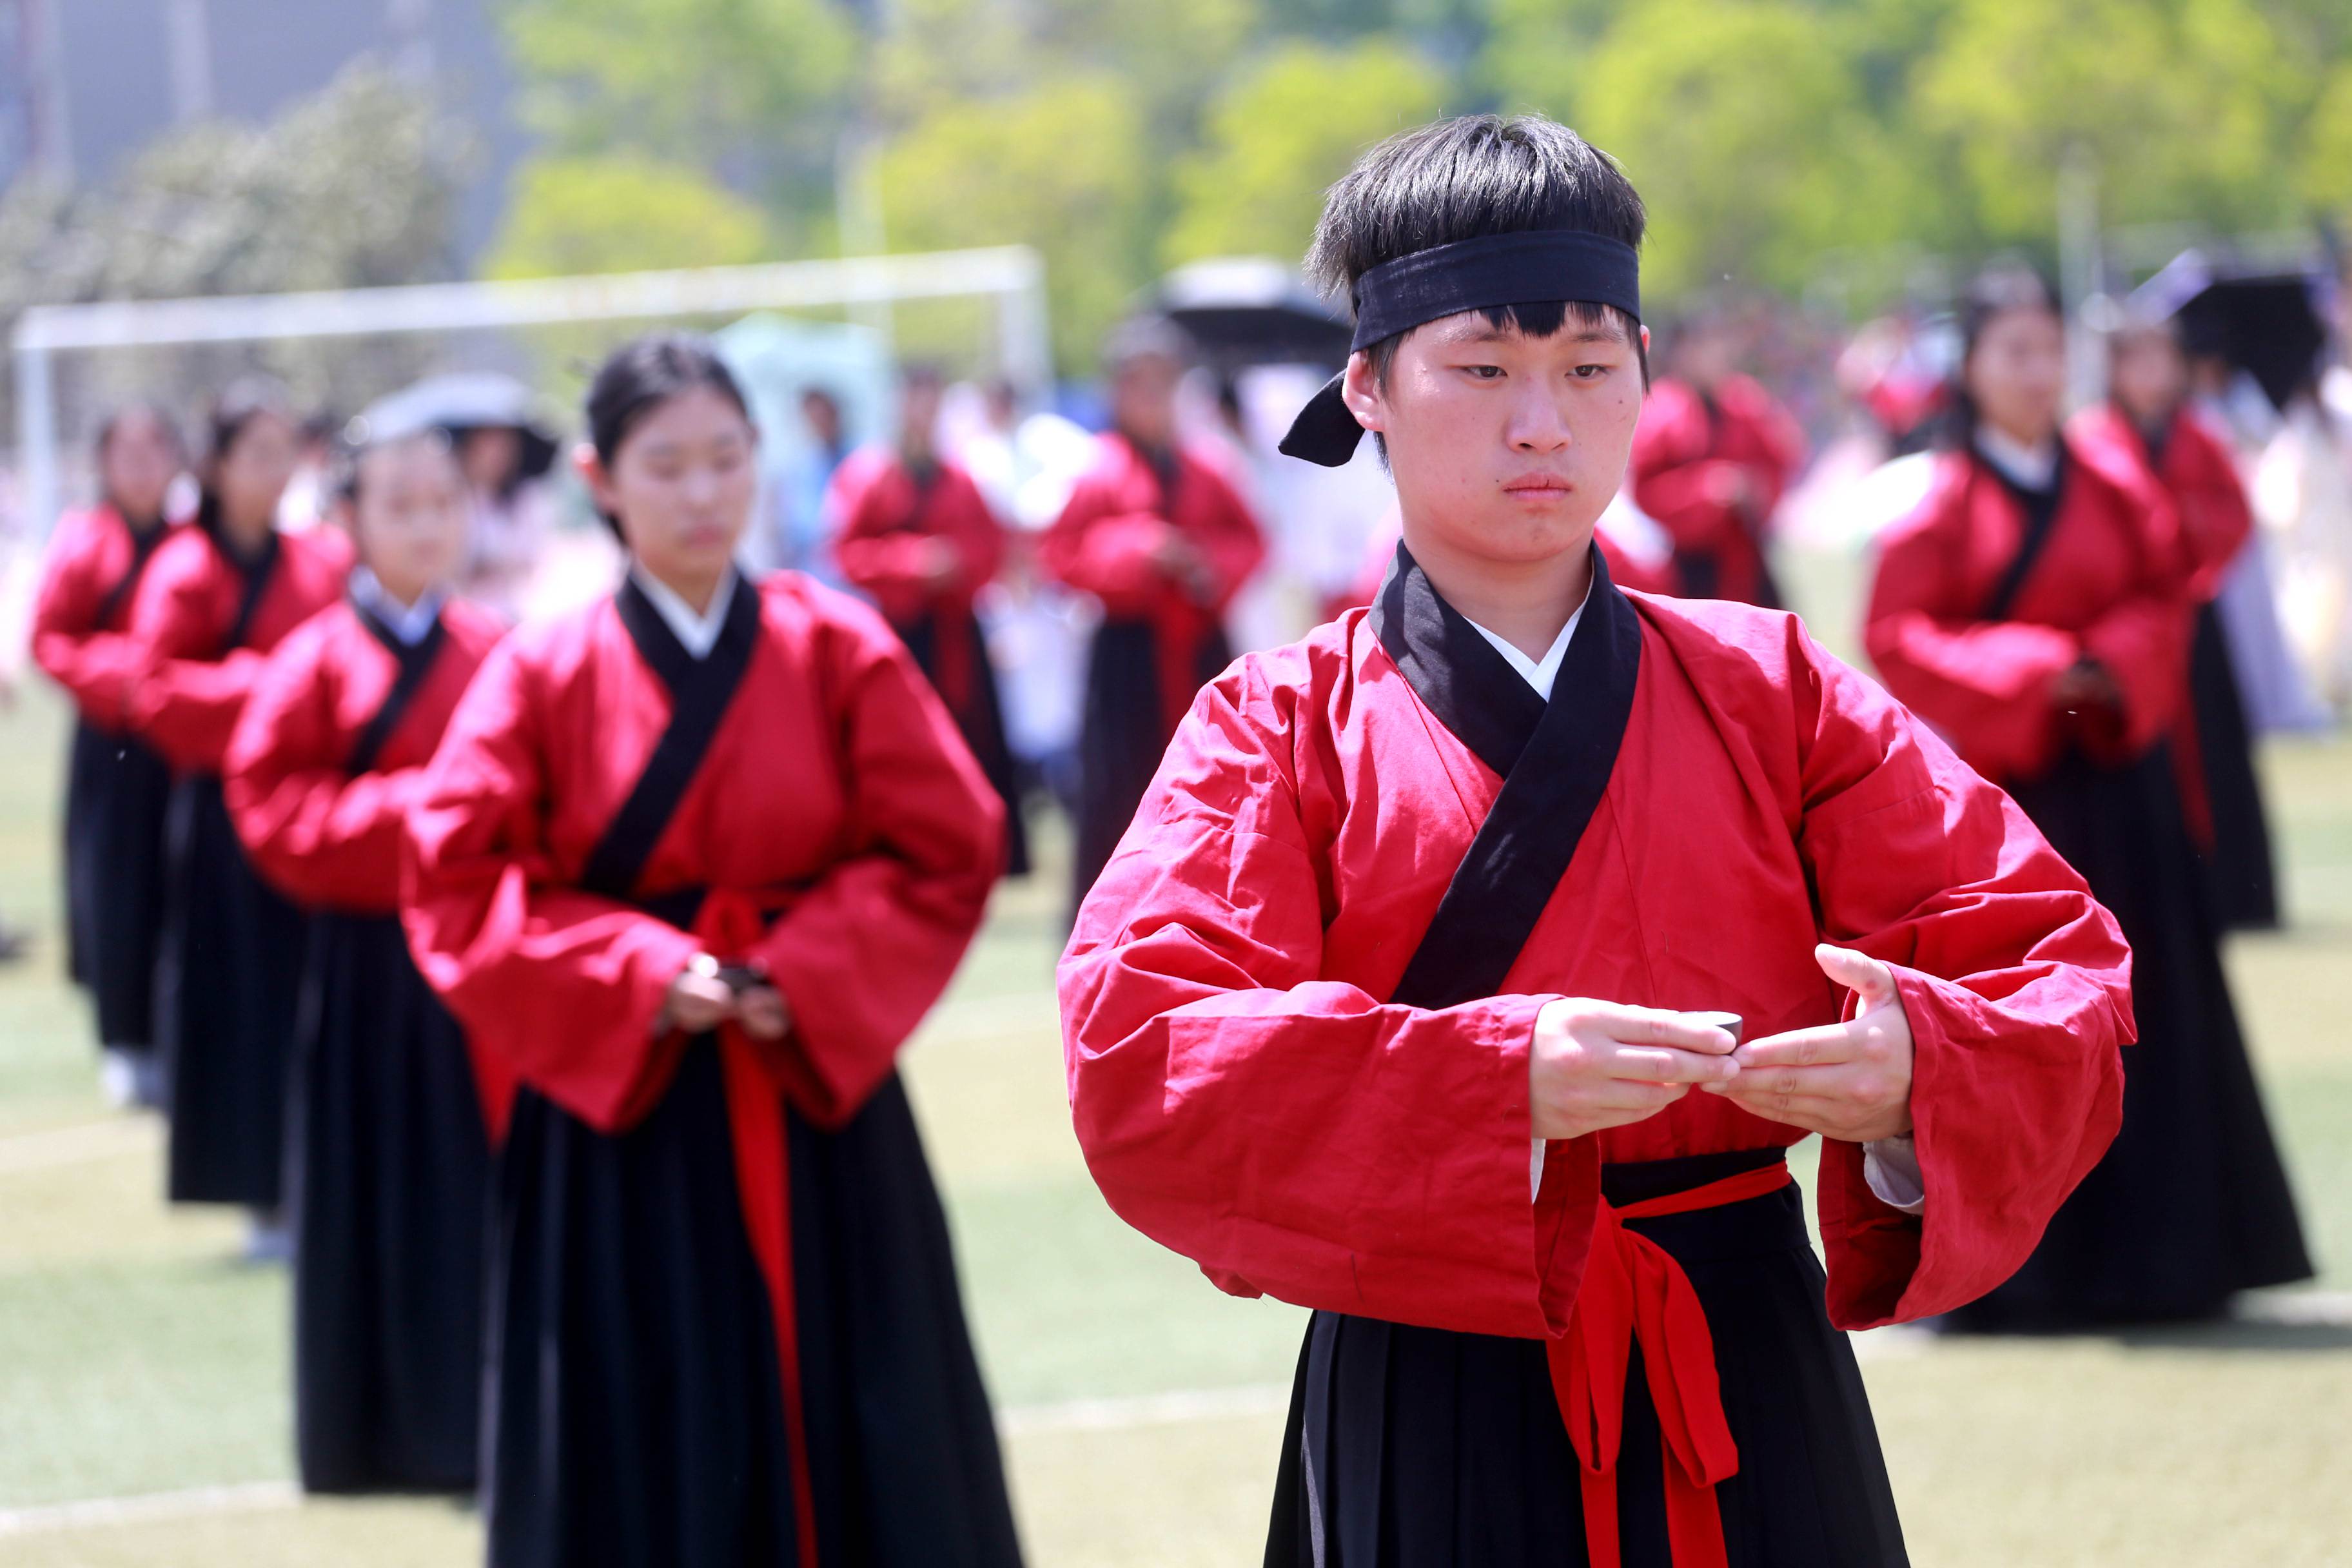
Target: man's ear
[1360,390]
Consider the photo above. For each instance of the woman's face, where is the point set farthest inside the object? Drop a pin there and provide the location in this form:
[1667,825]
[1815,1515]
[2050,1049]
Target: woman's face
[491,455]
[252,475]
[138,465]
[2017,374]
[410,521]
[682,484]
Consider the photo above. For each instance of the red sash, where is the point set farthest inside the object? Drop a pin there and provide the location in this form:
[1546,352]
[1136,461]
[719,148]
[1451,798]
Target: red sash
[1635,1292]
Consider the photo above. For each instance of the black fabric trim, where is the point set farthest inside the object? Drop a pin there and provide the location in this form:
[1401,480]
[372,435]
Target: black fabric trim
[1549,795]
[699,691]
[2040,508]
[256,573]
[142,550]
[1457,674]
[415,661]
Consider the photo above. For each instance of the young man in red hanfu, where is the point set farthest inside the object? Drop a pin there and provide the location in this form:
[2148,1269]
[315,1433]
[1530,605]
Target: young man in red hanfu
[1407,997]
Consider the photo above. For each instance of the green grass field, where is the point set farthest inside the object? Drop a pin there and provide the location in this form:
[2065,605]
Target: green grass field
[141,1367]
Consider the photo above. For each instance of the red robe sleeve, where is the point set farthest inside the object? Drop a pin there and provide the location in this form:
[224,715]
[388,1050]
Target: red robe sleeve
[1226,533]
[565,985]
[1231,1103]
[2216,520]
[96,665]
[188,696]
[862,955]
[1098,548]
[886,559]
[2016,982]
[1672,478]
[320,836]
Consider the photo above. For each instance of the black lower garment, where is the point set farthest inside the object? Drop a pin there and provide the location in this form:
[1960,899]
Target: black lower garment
[635,1407]
[980,720]
[1412,1448]
[2239,869]
[117,792]
[2191,1203]
[226,977]
[388,1184]
[1123,736]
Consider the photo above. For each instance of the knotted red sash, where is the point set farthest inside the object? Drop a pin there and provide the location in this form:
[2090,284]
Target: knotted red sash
[1633,1291]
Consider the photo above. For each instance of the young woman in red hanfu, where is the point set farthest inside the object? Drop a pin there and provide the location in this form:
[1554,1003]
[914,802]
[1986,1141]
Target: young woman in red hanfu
[2035,609]
[116,787]
[694,861]
[217,597]
[1406,996]
[388,1146]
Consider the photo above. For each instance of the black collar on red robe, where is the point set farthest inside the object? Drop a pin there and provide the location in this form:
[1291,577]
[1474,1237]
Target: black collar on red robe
[412,662]
[700,693]
[2041,507]
[253,571]
[1555,758]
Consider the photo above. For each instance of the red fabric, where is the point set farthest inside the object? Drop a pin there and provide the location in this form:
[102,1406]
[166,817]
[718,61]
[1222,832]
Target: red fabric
[886,527]
[2110,587]
[874,867]
[190,690]
[1103,542]
[98,665]
[1635,1293]
[1683,460]
[1245,1096]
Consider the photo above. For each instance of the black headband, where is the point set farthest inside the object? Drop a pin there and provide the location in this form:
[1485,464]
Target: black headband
[1532,267]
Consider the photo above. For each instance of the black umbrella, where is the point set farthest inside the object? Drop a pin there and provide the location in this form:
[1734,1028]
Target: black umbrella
[461,401]
[2267,324]
[1246,311]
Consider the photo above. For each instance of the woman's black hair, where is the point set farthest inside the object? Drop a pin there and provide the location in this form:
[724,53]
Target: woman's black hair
[640,376]
[2001,287]
[231,414]
[1465,179]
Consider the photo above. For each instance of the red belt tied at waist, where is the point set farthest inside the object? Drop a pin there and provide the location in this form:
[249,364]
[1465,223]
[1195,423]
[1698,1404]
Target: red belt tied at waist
[1635,1292]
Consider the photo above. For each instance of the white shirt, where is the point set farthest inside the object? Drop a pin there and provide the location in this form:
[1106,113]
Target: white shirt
[1891,1166]
[410,623]
[697,632]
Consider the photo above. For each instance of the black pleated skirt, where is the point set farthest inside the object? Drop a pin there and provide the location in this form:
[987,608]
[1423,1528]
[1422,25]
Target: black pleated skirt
[2191,1203]
[117,792]
[1412,1447]
[2239,870]
[1123,735]
[635,1413]
[388,1181]
[225,981]
[980,720]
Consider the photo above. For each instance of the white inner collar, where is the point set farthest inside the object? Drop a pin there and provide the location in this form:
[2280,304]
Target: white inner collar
[410,623]
[1539,673]
[2033,468]
[696,633]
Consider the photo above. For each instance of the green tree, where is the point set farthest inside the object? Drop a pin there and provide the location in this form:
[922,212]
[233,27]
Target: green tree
[620,213]
[2325,172]
[1277,137]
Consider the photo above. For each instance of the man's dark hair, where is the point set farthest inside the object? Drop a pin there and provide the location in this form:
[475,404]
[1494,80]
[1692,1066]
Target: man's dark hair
[1465,179]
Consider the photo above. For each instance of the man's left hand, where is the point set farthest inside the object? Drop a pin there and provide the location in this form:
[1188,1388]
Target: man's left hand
[1850,1082]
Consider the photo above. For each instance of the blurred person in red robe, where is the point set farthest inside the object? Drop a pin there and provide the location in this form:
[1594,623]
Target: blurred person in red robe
[2148,426]
[917,536]
[218,596]
[1472,962]
[693,862]
[1164,544]
[116,785]
[2036,609]
[1712,458]
[388,1152]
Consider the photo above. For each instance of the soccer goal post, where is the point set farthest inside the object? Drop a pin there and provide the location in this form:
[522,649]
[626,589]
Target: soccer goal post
[1013,277]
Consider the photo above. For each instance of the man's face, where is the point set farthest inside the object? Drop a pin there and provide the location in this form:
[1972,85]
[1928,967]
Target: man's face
[1143,399]
[1505,447]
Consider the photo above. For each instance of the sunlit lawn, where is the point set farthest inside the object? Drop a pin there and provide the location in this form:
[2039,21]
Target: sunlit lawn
[136,1358]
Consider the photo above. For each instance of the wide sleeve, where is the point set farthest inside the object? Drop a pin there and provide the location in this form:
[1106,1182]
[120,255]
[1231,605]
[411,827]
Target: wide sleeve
[187,700]
[97,668]
[1098,548]
[1296,1136]
[563,984]
[2142,639]
[1984,683]
[865,953]
[2216,518]
[1229,536]
[319,835]
[1676,483]
[2016,985]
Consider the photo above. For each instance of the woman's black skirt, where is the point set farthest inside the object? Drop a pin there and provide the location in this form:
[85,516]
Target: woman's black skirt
[2239,870]
[226,982]
[2191,1203]
[1124,735]
[980,720]
[117,793]
[635,1413]
[388,1178]
[1412,1448]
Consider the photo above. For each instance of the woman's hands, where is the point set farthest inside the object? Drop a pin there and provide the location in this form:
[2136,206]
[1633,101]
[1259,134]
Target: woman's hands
[703,995]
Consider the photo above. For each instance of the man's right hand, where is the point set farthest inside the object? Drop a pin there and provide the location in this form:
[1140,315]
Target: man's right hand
[1594,1065]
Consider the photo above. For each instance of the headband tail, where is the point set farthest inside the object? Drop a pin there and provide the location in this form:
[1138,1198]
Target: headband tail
[1325,431]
